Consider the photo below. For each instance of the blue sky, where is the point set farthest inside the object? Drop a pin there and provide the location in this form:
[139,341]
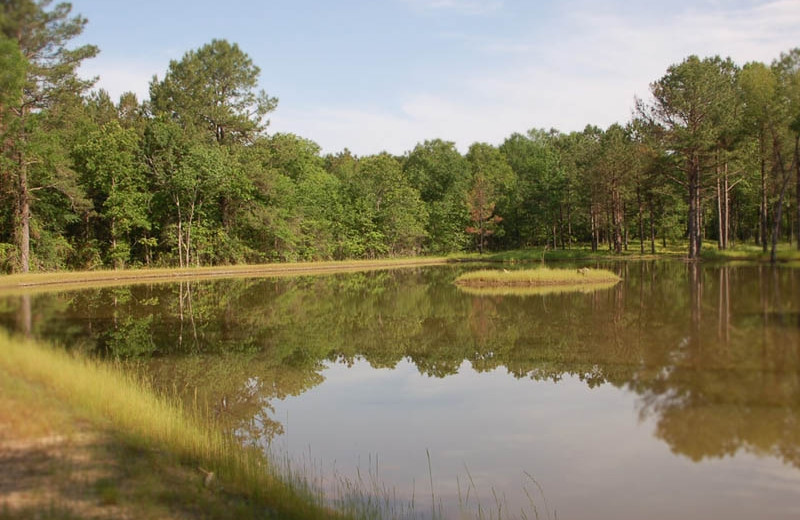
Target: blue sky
[387,74]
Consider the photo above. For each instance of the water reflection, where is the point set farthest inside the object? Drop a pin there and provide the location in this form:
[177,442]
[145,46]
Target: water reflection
[711,353]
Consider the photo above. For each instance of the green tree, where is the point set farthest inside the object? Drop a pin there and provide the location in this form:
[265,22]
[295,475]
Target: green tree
[442,176]
[493,182]
[33,160]
[540,199]
[689,103]
[787,70]
[191,176]
[399,214]
[12,80]
[113,169]
[213,90]
[758,92]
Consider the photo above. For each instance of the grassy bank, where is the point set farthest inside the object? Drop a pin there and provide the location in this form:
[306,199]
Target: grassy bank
[540,277]
[112,448]
[751,253]
[576,252]
[740,252]
[75,279]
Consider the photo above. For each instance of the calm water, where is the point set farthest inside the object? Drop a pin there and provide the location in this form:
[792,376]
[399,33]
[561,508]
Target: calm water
[675,394]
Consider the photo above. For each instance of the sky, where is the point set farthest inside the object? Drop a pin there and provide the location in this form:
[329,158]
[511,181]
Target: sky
[384,75]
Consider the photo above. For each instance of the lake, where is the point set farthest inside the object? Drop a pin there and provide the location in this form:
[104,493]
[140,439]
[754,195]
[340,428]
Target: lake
[674,394]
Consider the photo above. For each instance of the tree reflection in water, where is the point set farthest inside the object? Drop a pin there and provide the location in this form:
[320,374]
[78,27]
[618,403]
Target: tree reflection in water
[713,352]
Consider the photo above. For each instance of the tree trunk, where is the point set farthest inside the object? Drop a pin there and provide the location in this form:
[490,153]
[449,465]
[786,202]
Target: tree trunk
[616,220]
[785,176]
[641,218]
[23,231]
[693,209]
[180,233]
[797,173]
[700,223]
[720,246]
[569,218]
[625,227]
[652,230]
[726,208]
[773,255]
[763,220]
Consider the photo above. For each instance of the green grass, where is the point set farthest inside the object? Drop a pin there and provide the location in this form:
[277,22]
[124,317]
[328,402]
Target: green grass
[576,252]
[151,427]
[750,253]
[543,276]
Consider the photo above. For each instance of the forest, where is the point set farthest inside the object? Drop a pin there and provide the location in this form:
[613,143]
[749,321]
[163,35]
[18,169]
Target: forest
[192,176]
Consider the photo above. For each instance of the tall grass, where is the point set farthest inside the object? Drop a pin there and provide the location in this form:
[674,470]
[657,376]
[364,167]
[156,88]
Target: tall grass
[139,416]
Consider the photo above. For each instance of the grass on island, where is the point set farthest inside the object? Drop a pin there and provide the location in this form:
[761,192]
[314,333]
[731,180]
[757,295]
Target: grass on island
[102,278]
[543,276]
[82,439]
[537,290]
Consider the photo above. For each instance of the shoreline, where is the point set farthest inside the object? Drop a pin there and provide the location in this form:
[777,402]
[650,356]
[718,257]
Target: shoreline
[87,440]
[55,280]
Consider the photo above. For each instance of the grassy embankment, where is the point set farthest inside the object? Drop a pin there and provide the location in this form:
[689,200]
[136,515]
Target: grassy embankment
[740,252]
[575,253]
[79,439]
[104,278]
[751,253]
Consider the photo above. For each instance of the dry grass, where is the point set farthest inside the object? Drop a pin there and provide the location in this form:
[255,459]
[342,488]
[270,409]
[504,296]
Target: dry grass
[536,290]
[540,277]
[71,279]
[147,426]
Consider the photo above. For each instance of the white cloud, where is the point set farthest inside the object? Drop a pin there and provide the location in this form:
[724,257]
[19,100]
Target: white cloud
[585,69]
[588,74]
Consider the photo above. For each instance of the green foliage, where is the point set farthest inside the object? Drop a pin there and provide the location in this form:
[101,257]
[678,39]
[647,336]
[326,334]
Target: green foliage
[493,184]
[12,73]
[37,118]
[393,215]
[190,177]
[442,176]
[114,173]
[541,189]
[213,90]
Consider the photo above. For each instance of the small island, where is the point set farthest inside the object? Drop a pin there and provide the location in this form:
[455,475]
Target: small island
[541,277]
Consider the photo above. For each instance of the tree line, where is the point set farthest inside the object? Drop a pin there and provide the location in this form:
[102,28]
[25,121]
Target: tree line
[191,176]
